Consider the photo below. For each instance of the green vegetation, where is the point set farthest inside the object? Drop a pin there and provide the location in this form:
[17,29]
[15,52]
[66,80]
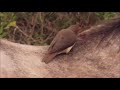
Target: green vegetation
[106,15]
[39,28]
[7,20]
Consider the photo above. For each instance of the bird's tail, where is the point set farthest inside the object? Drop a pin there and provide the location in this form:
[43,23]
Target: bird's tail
[48,58]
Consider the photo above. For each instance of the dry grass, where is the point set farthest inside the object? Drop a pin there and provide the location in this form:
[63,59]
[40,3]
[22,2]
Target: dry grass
[39,28]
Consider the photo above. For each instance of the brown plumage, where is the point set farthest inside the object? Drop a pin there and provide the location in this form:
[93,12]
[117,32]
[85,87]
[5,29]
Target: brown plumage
[63,40]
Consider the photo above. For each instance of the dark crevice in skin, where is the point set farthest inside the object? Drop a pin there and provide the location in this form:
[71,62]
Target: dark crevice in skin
[107,38]
[100,42]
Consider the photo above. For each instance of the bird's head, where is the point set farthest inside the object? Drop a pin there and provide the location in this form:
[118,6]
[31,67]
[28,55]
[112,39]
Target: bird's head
[75,28]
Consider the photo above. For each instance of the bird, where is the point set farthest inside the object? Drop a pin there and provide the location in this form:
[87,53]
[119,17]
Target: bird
[63,42]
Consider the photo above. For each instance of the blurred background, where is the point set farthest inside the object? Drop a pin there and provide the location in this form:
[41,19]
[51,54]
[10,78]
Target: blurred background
[39,28]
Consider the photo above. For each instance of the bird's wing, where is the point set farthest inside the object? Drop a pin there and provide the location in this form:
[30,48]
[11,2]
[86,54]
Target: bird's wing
[63,40]
[53,42]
